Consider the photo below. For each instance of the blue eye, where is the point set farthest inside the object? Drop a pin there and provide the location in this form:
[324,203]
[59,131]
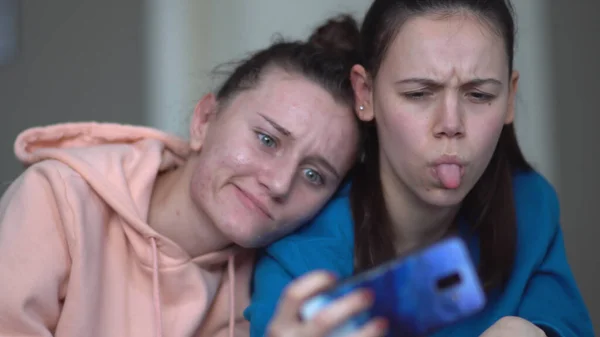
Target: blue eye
[266,140]
[313,176]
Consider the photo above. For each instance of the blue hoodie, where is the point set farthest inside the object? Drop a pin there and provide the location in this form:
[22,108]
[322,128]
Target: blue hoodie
[542,288]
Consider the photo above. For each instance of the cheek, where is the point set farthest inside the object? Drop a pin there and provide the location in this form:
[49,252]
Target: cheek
[218,166]
[229,159]
[402,134]
[485,133]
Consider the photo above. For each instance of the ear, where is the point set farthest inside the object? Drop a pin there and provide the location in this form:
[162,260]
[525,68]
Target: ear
[363,92]
[512,97]
[204,112]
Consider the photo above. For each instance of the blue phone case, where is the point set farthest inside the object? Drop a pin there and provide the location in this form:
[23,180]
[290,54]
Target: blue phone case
[418,294]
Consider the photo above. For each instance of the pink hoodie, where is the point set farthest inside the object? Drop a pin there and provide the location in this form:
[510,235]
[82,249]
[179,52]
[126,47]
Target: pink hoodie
[77,257]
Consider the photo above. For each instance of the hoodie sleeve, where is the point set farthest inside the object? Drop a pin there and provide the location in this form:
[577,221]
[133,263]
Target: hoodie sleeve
[34,259]
[552,299]
[217,321]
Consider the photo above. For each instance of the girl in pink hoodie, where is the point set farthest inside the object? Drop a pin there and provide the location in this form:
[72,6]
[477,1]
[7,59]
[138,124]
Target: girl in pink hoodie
[118,231]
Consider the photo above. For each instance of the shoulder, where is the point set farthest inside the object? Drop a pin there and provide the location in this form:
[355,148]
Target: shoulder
[537,213]
[334,220]
[532,188]
[536,201]
[50,176]
[48,184]
[324,242]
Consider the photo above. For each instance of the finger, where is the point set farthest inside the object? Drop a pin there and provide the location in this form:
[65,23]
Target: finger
[374,328]
[301,290]
[340,311]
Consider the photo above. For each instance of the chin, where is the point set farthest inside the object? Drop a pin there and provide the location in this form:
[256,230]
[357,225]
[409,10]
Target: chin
[256,236]
[242,232]
[444,198]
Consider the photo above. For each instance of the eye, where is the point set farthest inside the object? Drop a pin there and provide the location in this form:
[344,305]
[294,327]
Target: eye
[266,140]
[313,176]
[480,97]
[417,95]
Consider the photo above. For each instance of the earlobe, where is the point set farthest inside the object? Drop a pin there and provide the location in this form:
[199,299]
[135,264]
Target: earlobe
[512,96]
[361,84]
[203,114]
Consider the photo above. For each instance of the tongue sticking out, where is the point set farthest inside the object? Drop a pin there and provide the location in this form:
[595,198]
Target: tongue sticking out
[449,175]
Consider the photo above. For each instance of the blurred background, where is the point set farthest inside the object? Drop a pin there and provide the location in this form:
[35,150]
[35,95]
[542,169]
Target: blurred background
[148,62]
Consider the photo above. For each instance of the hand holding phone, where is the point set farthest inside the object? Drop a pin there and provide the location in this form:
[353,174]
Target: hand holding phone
[417,294]
[287,323]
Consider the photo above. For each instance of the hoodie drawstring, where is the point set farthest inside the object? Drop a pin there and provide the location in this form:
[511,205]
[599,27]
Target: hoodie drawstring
[231,272]
[156,289]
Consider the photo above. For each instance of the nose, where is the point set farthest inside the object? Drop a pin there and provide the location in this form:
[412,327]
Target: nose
[278,176]
[449,119]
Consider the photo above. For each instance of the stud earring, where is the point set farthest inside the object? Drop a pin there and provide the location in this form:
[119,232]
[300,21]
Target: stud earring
[361,108]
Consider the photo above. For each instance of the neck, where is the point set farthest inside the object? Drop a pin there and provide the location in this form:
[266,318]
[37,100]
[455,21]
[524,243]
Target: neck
[415,223]
[173,214]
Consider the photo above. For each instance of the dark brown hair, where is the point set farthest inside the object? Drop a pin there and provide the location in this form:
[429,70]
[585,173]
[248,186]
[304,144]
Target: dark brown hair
[326,58]
[489,206]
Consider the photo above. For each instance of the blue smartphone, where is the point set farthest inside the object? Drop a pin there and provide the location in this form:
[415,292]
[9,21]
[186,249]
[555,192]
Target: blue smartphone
[417,294]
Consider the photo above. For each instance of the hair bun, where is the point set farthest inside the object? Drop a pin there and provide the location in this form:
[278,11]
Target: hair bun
[339,34]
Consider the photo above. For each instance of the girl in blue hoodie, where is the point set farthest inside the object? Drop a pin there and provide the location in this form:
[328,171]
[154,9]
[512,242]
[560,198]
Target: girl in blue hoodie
[436,92]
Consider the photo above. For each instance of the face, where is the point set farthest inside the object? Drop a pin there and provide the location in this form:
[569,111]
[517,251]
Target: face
[270,158]
[440,100]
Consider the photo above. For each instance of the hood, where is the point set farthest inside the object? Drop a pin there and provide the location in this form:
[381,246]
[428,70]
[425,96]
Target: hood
[120,162]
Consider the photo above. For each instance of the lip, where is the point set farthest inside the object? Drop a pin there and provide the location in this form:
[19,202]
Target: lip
[253,201]
[450,160]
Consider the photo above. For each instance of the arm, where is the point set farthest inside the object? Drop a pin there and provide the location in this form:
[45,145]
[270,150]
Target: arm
[552,300]
[551,304]
[34,259]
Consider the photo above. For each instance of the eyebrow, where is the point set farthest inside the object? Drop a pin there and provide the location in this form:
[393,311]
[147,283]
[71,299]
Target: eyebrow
[432,83]
[318,159]
[277,127]
[325,164]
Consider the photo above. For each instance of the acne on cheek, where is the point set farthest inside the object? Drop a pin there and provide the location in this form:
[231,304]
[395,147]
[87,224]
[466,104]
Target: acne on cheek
[241,158]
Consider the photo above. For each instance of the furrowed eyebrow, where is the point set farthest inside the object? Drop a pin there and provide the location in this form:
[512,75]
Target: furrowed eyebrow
[431,83]
[277,127]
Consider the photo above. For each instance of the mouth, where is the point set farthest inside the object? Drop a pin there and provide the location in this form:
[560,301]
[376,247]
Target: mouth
[252,203]
[449,170]
[449,160]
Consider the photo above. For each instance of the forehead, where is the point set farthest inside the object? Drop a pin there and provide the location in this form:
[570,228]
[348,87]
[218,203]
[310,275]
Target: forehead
[292,98]
[441,45]
[317,122]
